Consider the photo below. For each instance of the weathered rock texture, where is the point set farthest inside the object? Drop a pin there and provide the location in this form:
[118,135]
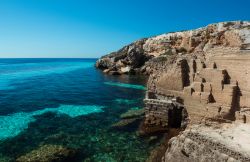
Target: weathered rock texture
[202,143]
[127,60]
[212,82]
[195,76]
[160,114]
[135,57]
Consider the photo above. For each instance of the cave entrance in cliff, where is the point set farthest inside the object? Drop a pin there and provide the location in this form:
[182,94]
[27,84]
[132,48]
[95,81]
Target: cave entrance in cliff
[175,118]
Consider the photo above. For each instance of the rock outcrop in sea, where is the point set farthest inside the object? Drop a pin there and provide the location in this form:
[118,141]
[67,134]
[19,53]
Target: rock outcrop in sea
[199,83]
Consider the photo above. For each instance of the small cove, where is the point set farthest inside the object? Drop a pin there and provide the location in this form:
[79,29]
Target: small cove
[73,105]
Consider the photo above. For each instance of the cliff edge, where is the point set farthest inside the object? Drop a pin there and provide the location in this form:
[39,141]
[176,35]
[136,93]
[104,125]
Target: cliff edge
[140,56]
[198,82]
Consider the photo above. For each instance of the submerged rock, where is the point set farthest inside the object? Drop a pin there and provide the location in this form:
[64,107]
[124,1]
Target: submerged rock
[5,159]
[49,153]
[101,157]
[129,120]
[133,114]
[125,123]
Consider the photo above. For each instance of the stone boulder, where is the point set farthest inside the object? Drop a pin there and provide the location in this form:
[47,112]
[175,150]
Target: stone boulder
[133,114]
[49,153]
[129,119]
[125,70]
[125,123]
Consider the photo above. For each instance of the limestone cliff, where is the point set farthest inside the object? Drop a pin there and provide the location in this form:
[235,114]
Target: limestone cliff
[127,60]
[135,57]
[199,81]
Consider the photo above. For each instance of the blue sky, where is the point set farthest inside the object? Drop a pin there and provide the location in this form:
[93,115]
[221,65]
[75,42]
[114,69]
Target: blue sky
[91,28]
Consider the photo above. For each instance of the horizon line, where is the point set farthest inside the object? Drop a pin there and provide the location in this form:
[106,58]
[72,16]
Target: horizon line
[48,58]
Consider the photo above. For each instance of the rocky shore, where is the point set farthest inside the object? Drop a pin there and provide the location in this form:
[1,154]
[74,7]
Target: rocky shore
[199,84]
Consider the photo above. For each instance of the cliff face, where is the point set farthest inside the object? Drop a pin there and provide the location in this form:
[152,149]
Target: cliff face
[137,57]
[127,60]
[199,80]
[212,80]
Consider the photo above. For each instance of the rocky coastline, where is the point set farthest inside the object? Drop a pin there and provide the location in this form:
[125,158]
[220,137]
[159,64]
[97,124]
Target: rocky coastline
[198,91]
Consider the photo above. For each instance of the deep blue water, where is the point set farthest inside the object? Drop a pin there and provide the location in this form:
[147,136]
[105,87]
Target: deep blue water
[67,102]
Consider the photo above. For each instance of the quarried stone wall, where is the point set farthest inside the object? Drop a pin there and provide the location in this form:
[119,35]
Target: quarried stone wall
[164,112]
[204,144]
[212,86]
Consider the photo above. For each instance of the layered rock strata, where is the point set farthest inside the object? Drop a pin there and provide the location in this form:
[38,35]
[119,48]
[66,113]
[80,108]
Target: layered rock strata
[197,78]
[203,143]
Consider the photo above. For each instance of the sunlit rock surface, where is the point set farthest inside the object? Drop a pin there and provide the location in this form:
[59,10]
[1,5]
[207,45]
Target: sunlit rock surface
[137,57]
[206,71]
[226,142]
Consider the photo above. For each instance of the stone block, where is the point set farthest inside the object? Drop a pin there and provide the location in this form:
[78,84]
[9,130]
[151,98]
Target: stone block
[198,78]
[215,76]
[242,117]
[197,86]
[223,98]
[207,87]
[188,91]
[205,97]
[228,88]
[196,96]
[200,65]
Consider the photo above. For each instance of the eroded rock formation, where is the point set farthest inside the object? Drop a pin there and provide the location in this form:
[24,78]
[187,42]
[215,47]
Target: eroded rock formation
[226,142]
[137,57]
[197,78]
[127,60]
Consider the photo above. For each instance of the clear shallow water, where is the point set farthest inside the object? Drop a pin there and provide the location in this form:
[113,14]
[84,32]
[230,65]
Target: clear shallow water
[67,102]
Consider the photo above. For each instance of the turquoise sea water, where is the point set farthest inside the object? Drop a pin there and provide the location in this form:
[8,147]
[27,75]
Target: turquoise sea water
[68,102]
